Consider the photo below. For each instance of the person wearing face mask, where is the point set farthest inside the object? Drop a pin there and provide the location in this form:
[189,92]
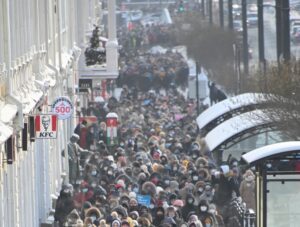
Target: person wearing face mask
[85,194]
[204,216]
[64,204]
[94,214]
[159,216]
[188,207]
[247,189]
[207,193]
[218,219]
[194,177]
[172,213]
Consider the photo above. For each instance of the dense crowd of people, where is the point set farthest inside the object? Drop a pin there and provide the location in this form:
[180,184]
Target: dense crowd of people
[144,69]
[159,174]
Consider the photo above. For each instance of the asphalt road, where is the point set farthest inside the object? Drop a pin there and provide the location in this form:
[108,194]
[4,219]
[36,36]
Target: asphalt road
[270,40]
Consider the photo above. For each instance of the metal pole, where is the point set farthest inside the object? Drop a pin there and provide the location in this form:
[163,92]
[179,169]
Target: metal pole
[197,88]
[245,38]
[210,8]
[285,26]
[221,13]
[230,16]
[203,8]
[261,39]
[278,29]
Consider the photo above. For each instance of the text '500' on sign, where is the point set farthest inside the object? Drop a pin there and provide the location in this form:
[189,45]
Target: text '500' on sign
[45,126]
[62,107]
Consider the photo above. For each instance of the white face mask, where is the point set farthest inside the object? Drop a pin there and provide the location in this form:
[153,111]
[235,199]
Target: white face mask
[195,178]
[93,185]
[200,190]
[212,211]
[109,173]
[249,178]
[190,201]
[203,208]
[94,173]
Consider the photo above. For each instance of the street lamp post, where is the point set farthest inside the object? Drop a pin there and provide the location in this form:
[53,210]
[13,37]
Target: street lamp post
[278,29]
[245,38]
[203,8]
[285,10]
[230,16]
[210,9]
[261,45]
[221,13]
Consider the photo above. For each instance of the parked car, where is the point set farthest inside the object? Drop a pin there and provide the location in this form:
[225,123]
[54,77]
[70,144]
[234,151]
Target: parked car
[252,19]
[295,34]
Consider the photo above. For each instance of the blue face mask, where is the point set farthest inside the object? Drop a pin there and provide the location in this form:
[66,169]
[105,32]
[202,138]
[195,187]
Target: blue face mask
[136,190]
[207,225]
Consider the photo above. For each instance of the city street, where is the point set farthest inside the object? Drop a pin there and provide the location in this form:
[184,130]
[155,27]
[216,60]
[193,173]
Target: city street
[270,39]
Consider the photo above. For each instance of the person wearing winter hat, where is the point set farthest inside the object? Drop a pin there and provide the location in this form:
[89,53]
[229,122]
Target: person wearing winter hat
[116,223]
[208,193]
[218,219]
[72,218]
[194,221]
[64,204]
[159,216]
[188,207]
[226,187]
[125,224]
[247,189]
[204,216]
[102,223]
[93,213]
[134,215]
[133,205]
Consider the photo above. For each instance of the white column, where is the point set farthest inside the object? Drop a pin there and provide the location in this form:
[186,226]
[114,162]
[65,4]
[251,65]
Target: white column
[112,43]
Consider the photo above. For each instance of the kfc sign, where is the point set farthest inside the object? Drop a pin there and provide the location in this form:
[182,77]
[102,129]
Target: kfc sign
[46,126]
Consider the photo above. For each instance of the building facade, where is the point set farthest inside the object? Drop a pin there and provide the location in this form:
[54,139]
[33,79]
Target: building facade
[38,63]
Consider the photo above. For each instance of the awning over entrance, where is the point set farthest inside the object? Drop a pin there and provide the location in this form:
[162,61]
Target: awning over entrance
[236,126]
[271,150]
[228,108]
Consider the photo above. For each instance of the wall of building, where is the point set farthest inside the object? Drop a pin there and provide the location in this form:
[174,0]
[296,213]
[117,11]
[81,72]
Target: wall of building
[37,43]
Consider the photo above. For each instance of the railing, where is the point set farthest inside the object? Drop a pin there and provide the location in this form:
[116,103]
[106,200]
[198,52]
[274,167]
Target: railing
[249,218]
[239,216]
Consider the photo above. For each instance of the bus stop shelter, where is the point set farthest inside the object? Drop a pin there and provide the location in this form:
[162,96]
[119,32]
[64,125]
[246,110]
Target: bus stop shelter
[277,183]
[228,108]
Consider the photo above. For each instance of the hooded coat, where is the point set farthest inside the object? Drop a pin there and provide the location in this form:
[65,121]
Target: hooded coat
[188,207]
[247,190]
[64,206]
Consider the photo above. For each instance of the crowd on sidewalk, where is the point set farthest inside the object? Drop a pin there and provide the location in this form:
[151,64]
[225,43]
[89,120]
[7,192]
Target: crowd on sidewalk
[160,173]
[144,69]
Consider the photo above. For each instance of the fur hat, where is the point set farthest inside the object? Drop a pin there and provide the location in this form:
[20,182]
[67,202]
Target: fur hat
[149,188]
[201,162]
[93,211]
[144,222]
[205,174]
